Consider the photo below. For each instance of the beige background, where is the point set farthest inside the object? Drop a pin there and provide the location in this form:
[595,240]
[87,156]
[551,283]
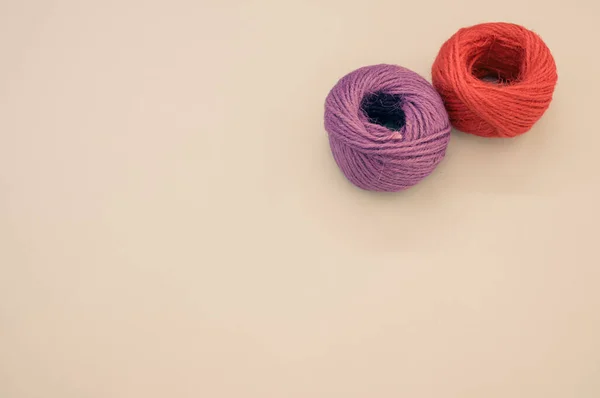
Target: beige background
[172,223]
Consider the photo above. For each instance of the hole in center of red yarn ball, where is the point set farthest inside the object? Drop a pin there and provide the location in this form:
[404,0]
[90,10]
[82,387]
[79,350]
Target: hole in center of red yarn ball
[497,62]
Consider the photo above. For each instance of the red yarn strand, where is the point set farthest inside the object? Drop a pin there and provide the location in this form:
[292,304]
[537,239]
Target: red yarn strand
[521,65]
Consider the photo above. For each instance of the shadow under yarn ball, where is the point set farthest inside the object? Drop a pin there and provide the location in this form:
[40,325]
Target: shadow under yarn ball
[387,127]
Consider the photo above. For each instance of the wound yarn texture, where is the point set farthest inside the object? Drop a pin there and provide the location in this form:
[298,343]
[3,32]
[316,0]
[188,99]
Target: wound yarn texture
[387,127]
[496,79]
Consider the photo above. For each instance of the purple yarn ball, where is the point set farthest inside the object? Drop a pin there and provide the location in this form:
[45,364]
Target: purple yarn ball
[387,126]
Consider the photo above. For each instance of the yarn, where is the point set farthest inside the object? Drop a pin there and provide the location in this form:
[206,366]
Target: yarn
[522,71]
[387,126]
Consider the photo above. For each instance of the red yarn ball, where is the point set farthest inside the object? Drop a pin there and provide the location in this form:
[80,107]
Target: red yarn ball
[522,73]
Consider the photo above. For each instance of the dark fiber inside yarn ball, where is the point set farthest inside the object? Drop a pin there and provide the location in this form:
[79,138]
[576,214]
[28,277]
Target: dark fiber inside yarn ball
[384,109]
[497,63]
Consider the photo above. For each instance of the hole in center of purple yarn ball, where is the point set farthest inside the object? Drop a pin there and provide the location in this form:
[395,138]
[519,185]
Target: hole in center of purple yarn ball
[384,109]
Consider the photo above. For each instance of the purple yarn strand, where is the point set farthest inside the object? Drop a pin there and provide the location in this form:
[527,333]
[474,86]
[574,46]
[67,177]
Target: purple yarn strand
[372,156]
